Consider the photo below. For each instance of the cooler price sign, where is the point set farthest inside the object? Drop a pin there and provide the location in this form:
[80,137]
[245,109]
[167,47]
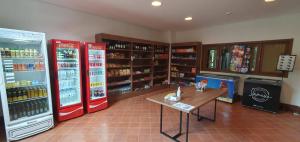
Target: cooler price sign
[286,63]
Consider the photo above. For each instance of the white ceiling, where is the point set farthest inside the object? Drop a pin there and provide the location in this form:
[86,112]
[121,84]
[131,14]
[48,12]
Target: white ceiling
[170,16]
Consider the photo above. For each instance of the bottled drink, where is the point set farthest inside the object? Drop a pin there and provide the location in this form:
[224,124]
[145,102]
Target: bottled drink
[28,109]
[36,106]
[15,112]
[40,104]
[25,95]
[32,108]
[11,112]
[45,102]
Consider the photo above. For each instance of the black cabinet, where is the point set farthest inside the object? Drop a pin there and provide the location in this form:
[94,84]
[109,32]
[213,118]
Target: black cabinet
[262,94]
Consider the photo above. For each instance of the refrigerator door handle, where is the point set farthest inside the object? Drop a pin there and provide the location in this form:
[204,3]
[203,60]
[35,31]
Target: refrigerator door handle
[88,73]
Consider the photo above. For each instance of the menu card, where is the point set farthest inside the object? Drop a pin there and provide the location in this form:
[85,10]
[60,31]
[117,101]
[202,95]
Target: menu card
[286,63]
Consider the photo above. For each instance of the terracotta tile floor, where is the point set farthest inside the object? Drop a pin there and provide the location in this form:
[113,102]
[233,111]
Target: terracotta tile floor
[137,120]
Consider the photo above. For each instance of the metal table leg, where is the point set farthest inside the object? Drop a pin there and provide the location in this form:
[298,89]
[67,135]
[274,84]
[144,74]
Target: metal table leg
[161,125]
[187,127]
[203,117]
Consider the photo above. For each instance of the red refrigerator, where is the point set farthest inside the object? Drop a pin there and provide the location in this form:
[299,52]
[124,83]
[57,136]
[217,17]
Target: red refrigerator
[66,78]
[94,77]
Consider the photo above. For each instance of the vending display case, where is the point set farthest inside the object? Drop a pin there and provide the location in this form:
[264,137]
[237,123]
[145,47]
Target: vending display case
[216,81]
[25,86]
[66,73]
[95,76]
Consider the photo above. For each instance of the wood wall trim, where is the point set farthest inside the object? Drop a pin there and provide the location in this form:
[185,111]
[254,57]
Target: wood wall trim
[127,39]
[187,44]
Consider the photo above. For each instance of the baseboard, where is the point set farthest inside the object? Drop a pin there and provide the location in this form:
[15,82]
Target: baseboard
[288,107]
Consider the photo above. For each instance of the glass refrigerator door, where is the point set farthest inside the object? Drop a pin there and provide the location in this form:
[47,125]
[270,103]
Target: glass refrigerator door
[97,74]
[68,75]
[23,67]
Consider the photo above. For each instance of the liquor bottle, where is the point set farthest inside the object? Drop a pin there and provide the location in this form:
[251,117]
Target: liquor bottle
[32,108]
[24,94]
[28,108]
[15,112]
[11,112]
[24,113]
[40,104]
[45,103]
[36,106]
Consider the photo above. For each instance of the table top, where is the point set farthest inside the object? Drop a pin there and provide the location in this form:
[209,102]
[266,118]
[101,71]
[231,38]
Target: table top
[190,97]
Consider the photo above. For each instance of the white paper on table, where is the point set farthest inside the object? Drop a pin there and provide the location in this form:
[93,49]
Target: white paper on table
[183,106]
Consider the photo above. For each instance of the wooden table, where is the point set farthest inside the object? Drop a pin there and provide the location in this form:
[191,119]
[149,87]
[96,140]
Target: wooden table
[192,98]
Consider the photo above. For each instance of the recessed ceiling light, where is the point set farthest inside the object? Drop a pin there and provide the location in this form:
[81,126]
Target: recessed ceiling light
[188,18]
[156,3]
[228,13]
[269,0]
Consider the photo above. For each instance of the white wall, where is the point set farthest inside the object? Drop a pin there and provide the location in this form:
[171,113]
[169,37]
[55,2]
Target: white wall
[281,27]
[62,23]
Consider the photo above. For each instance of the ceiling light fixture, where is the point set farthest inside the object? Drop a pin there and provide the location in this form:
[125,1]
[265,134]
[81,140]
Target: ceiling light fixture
[156,3]
[228,13]
[269,0]
[188,18]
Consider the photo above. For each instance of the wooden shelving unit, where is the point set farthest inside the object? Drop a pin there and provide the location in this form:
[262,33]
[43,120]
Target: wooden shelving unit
[185,62]
[134,66]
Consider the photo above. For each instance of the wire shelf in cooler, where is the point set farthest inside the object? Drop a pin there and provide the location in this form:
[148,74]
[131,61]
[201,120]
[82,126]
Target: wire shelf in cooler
[72,59]
[20,58]
[68,88]
[69,68]
[26,86]
[29,99]
[26,71]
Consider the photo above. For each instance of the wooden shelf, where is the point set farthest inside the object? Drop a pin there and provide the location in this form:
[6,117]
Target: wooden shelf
[184,72]
[183,65]
[118,67]
[140,51]
[118,58]
[142,58]
[124,50]
[118,76]
[181,55]
[142,73]
[138,81]
[147,60]
[119,83]
[141,66]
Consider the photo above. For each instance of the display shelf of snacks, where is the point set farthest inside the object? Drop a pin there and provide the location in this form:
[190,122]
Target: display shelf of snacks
[131,64]
[185,62]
